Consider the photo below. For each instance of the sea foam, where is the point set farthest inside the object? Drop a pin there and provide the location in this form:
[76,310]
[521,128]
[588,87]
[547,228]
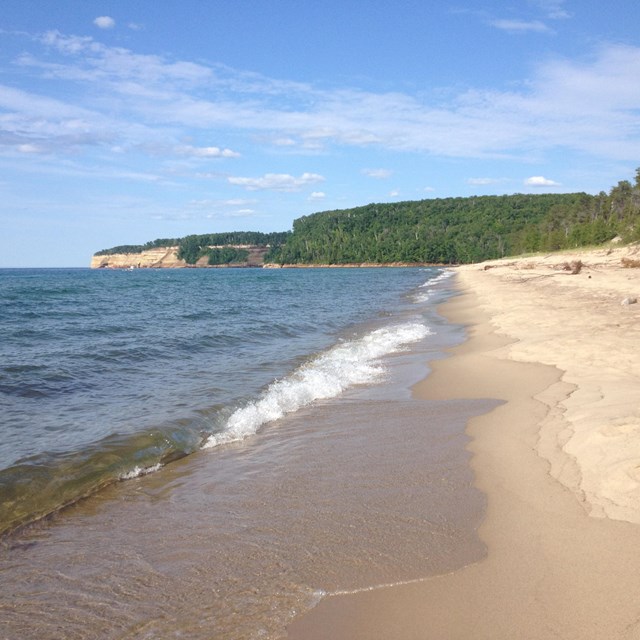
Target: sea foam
[138,471]
[427,289]
[326,376]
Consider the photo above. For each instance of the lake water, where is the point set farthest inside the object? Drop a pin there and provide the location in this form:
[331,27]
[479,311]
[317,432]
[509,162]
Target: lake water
[228,446]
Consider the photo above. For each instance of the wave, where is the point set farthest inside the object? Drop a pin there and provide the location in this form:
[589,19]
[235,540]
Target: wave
[64,373]
[427,289]
[41,484]
[328,375]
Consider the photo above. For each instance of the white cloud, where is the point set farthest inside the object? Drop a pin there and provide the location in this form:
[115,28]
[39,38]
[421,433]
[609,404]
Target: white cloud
[521,26]
[394,194]
[134,101]
[540,181]
[207,152]
[317,195]
[104,22]
[277,182]
[379,174]
[67,44]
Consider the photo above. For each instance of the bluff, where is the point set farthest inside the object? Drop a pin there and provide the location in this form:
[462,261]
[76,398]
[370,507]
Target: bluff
[167,257]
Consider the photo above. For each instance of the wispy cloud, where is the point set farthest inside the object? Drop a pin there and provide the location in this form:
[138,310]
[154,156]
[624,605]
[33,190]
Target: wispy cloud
[277,182]
[378,174]
[221,203]
[29,148]
[554,9]
[483,181]
[206,152]
[316,196]
[113,98]
[521,26]
[209,209]
[547,9]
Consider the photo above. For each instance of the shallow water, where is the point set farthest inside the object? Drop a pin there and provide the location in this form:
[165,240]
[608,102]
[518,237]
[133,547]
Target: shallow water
[363,487]
[233,542]
[109,374]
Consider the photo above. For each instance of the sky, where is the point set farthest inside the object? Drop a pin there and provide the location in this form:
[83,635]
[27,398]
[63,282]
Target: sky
[123,122]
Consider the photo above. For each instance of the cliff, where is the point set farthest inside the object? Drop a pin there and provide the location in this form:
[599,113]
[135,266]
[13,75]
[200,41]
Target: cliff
[167,257]
[152,258]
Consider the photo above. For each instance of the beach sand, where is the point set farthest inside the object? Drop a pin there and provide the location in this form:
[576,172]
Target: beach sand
[555,338]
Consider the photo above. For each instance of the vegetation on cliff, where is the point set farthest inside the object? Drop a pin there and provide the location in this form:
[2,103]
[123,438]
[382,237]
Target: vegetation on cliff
[139,248]
[227,255]
[194,247]
[443,231]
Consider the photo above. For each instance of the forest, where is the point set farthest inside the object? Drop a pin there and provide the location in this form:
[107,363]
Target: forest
[463,230]
[434,231]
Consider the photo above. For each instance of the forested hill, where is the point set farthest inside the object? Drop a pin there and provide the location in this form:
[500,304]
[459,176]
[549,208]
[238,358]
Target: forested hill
[439,231]
[458,230]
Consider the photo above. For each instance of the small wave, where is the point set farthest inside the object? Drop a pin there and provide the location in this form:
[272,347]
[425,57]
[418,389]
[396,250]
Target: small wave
[41,485]
[345,365]
[444,275]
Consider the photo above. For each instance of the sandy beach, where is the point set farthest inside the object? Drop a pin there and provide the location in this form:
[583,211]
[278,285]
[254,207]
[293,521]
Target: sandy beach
[555,338]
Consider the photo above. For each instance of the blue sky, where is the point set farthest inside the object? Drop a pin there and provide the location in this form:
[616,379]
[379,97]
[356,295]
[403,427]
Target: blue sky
[122,122]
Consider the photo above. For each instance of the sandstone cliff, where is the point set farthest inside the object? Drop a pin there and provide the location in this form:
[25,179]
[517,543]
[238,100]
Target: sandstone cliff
[153,258]
[167,257]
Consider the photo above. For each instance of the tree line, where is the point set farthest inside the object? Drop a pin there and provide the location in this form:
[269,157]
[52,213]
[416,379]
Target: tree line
[463,230]
[437,231]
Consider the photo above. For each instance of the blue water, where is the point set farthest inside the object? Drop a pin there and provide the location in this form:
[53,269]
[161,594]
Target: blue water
[108,374]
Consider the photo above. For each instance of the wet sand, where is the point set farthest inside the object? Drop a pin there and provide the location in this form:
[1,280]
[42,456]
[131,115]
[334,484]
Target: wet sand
[558,462]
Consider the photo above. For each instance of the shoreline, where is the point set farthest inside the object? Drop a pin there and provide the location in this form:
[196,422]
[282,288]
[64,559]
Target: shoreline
[556,461]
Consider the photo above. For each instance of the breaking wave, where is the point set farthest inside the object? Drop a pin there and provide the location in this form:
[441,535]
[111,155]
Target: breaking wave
[328,375]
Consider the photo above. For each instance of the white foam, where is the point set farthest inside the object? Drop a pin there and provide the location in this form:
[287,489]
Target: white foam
[136,472]
[345,365]
[429,286]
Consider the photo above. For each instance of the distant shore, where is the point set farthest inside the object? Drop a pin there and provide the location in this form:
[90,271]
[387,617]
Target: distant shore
[167,258]
[352,265]
[555,337]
